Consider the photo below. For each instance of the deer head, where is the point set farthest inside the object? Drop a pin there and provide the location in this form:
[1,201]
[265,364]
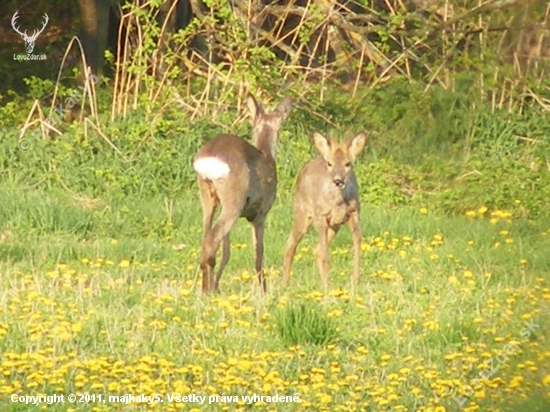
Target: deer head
[29,40]
[339,157]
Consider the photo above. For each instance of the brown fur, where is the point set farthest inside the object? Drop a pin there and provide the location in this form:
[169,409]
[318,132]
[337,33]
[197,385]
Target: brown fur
[247,191]
[326,196]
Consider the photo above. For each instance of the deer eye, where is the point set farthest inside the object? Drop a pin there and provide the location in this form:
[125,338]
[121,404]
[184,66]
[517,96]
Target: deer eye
[348,164]
[329,164]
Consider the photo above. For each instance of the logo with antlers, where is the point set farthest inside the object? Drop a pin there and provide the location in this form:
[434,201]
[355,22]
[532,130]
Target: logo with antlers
[29,40]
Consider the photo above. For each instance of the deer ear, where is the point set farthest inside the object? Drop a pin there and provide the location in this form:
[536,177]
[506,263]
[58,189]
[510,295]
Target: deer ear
[284,107]
[254,108]
[357,144]
[321,143]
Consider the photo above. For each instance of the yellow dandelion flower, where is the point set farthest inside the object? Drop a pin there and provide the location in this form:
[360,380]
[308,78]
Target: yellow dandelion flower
[334,313]
[124,263]
[362,350]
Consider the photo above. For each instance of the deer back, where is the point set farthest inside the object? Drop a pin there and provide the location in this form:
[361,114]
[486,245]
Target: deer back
[241,170]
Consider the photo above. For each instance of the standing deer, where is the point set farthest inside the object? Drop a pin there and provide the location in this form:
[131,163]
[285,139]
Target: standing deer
[29,40]
[327,196]
[241,178]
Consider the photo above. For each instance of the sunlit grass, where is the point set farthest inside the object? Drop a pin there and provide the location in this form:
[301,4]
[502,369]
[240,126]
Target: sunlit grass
[110,313]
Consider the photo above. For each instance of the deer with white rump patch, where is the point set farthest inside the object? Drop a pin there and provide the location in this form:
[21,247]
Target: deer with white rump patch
[327,195]
[241,178]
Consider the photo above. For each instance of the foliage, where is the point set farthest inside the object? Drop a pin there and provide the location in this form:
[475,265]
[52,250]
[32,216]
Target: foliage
[304,323]
[100,225]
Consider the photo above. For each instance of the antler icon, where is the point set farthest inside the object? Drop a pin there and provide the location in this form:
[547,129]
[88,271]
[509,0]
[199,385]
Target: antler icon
[29,40]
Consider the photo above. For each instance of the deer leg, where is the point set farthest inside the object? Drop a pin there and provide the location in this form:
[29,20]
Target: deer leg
[223,261]
[208,204]
[210,246]
[331,232]
[326,234]
[299,229]
[258,241]
[353,223]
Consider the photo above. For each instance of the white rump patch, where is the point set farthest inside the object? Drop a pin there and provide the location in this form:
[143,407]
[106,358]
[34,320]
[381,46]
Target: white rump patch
[211,168]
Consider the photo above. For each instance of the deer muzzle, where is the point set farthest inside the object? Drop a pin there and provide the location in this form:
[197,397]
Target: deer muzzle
[339,183]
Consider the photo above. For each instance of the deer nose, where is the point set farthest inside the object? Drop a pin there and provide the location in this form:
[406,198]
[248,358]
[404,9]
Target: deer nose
[339,183]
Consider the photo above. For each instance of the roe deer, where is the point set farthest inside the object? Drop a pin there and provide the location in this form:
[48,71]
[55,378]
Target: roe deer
[242,179]
[327,195]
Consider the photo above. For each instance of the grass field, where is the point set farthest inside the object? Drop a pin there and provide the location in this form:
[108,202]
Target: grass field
[103,298]
[100,288]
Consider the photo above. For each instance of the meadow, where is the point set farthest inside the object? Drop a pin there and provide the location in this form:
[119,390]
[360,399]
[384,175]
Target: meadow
[100,222]
[100,285]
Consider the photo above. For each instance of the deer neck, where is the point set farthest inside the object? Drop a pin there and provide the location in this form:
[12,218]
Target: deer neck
[265,140]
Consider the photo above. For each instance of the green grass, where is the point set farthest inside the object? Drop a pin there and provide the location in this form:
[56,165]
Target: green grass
[105,296]
[100,287]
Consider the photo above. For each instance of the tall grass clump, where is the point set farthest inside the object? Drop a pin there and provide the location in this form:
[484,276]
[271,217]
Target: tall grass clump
[305,323]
